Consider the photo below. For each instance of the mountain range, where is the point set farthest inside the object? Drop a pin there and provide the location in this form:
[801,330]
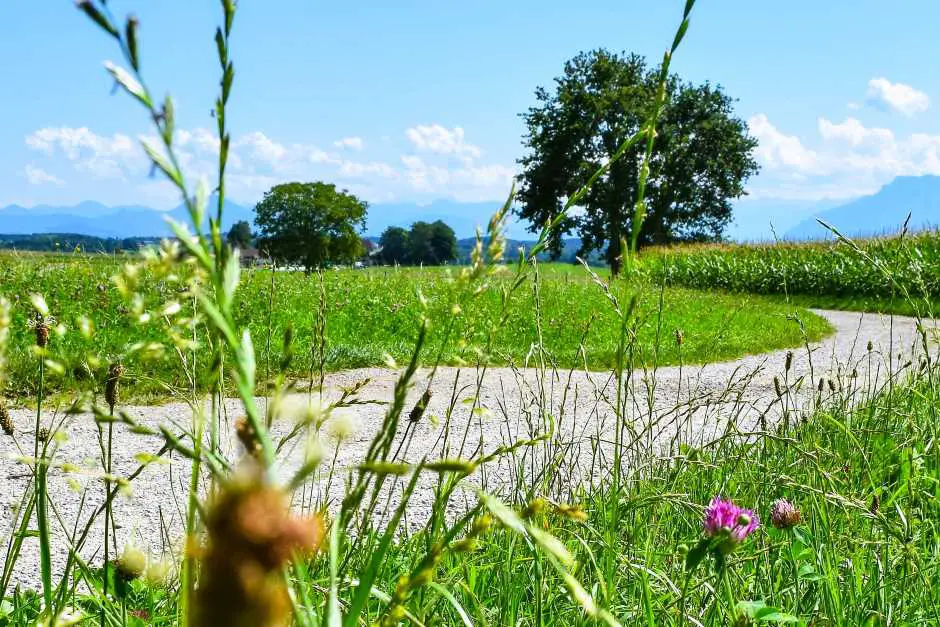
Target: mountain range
[882,212]
[93,218]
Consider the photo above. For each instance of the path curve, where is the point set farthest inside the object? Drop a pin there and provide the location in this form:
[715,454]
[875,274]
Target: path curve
[689,404]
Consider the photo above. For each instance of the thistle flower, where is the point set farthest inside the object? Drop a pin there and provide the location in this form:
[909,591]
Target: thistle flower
[724,519]
[6,421]
[113,384]
[251,535]
[784,514]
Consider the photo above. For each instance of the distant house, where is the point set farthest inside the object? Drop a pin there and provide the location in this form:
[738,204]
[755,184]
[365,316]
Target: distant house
[251,257]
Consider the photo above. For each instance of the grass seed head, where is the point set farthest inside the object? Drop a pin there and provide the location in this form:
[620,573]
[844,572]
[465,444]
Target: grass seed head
[113,384]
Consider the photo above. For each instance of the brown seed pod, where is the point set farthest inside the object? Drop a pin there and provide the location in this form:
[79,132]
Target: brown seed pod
[6,421]
[43,434]
[251,536]
[418,410]
[247,436]
[42,334]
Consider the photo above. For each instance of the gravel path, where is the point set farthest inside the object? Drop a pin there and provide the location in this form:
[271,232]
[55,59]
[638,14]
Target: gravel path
[662,408]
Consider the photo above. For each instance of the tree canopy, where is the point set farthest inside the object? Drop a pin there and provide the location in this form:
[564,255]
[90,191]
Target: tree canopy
[431,243]
[428,243]
[702,155]
[310,224]
[394,243]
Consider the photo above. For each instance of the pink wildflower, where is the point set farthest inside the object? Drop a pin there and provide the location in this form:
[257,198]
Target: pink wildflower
[725,519]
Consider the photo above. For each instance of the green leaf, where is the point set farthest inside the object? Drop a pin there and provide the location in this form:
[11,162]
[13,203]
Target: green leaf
[246,359]
[680,34]
[549,543]
[130,36]
[162,162]
[761,612]
[503,513]
[333,618]
[129,83]
[696,555]
[230,277]
[220,47]
[98,18]
[169,120]
[801,553]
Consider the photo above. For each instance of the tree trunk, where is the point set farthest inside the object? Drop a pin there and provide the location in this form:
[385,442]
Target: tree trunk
[615,256]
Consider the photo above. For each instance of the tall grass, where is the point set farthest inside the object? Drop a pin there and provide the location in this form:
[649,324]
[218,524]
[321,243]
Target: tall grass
[830,271]
[570,497]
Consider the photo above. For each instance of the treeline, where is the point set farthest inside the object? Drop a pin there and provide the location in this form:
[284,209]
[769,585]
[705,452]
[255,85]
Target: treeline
[427,243]
[73,242]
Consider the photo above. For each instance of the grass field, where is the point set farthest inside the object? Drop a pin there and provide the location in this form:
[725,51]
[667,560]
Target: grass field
[376,312]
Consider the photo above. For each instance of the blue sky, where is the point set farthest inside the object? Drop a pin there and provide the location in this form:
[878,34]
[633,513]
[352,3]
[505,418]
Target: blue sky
[415,100]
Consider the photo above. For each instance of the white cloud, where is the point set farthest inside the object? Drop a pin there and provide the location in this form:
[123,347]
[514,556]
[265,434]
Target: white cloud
[467,183]
[776,149]
[100,155]
[353,143]
[439,140]
[846,159]
[448,166]
[897,97]
[262,148]
[38,176]
[854,132]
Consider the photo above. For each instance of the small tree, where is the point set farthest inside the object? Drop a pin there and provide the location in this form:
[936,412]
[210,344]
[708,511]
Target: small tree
[443,242]
[310,224]
[394,243]
[420,250]
[240,235]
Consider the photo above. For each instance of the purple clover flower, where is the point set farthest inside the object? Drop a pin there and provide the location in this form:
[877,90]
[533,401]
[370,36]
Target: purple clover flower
[784,514]
[725,519]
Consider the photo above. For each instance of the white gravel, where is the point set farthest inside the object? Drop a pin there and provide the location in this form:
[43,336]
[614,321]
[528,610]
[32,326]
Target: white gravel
[662,408]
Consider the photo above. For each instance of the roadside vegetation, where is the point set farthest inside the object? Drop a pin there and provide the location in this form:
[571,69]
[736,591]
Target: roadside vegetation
[748,512]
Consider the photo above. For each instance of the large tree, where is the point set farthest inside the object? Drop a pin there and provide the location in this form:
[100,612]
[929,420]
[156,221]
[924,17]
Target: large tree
[702,155]
[310,224]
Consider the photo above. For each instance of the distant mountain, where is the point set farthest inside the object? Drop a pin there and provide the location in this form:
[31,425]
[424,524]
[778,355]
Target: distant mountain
[463,217]
[765,219]
[93,218]
[882,212]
